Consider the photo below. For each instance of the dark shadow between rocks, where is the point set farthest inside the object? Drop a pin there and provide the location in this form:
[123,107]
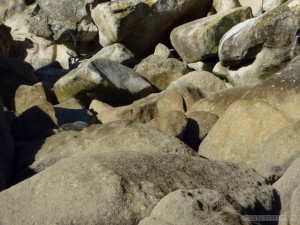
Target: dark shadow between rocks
[191,135]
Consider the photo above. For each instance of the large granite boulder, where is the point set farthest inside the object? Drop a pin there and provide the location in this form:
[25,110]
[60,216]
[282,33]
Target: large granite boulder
[140,24]
[245,48]
[266,108]
[121,187]
[105,80]
[199,40]
[54,19]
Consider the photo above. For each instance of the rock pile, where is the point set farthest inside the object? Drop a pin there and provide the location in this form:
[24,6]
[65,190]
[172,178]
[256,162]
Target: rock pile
[149,112]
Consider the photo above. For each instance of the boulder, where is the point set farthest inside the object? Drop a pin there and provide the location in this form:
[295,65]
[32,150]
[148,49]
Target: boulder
[281,149]
[139,25]
[115,137]
[143,110]
[295,207]
[161,71]
[105,80]
[162,51]
[112,189]
[56,19]
[199,206]
[179,96]
[28,96]
[7,151]
[286,186]
[245,48]
[207,82]
[199,40]
[116,52]
[13,74]
[173,124]
[9,8]
[199,123]
[266,108]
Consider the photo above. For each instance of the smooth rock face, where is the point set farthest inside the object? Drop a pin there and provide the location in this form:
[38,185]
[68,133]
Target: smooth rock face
[286,186]
[256,6]
[130,184]
[7,151]
[295,206]
[268,107]
[199,206]
[271,4]
[221,6]
[106,80]
[199,40]
[280,150]
[112,137]
[150,19]
[161,72]
[259,47]
[54,17]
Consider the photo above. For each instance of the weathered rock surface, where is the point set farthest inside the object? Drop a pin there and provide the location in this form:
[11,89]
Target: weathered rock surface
[162,51]
[199,40]
[286,186]
[106,80]
[173,123]
[52,18]
[199,206]
[271,36]
[112,137]
[268,107]
[150,20]
[221,6]
[129,184]
[7,151]
[295,207]
[280,150]
[160,71]
[207,82]
[256,6]
[271,4]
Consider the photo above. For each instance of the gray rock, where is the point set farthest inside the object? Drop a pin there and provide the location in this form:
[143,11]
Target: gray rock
[271,4]
[139,25]
[112,189]
[199,40]
[76,126]
[199,206]
[117,52]
[221,6]
[161,71]
[53,17]
[271,36]
[105,80]
[162,51]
